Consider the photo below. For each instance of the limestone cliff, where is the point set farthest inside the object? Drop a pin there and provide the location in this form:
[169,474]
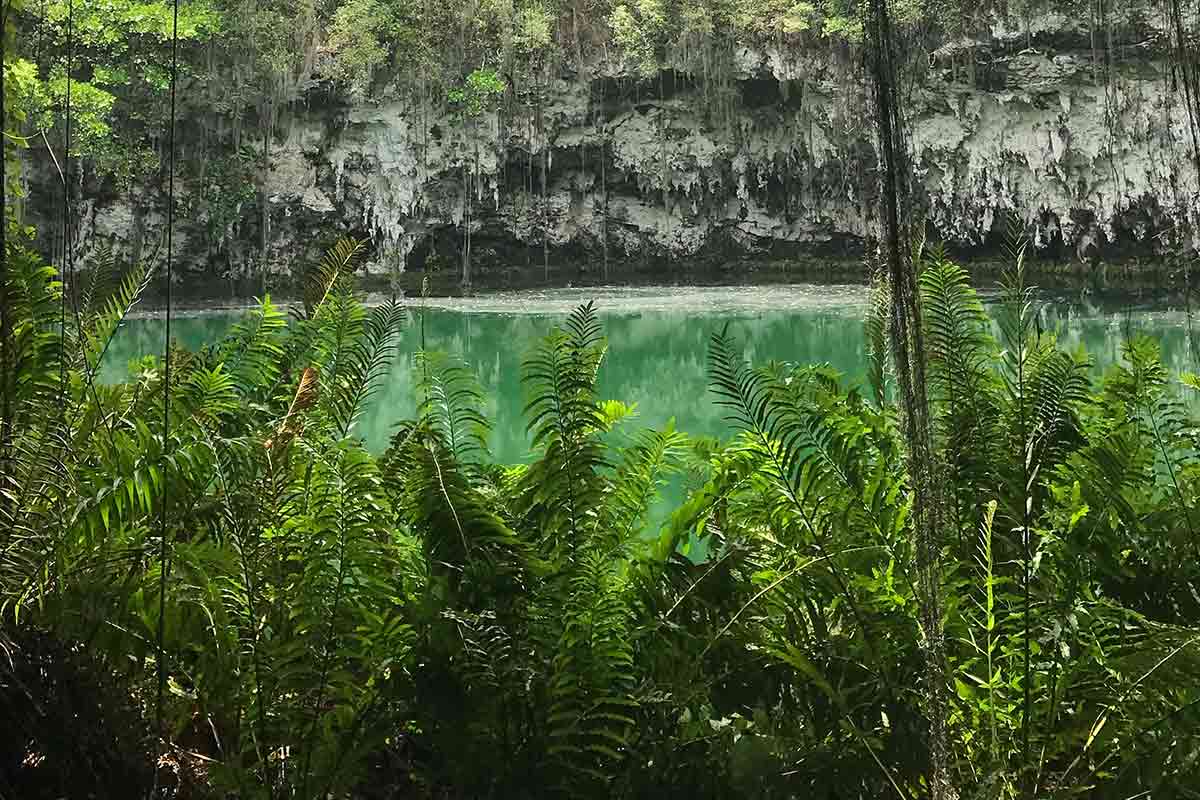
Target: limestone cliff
[1086,140]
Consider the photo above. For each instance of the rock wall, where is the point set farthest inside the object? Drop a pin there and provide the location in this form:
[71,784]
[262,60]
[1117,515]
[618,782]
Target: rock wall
[772,153]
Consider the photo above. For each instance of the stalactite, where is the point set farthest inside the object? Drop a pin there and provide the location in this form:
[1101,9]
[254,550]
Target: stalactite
[603,182]
[466,250]
[575,37]
[1092,39]
[544,141]
[664,175]
[424,103]
[265,216]
[501,145]
[529,180]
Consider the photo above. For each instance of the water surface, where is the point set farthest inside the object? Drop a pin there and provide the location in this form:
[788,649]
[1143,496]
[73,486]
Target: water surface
[658,342]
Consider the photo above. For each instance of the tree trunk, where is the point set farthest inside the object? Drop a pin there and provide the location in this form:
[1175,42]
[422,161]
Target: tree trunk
[908,353]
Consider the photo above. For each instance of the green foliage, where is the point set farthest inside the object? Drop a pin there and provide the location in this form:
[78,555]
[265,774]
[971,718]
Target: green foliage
[364,34]
[115,25]
[280,532]
[516,631]
[220,192]
[119,79]
[479,93]
[452,405]
[778,17]
[639,29]
[533,30]
[90,110]
[25,95]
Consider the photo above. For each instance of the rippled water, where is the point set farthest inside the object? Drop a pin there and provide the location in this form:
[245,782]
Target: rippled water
[658,339]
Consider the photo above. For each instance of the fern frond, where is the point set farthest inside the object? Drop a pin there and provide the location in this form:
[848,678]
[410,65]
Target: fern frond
[790,441]
[330,275]
[100,328]
[337,534]
[452,404]
[560,376]
[592,677]
[354,377]
[328,294]
[32,382]
[436,499]
[563,414]
[959,342]
[253,348]
[1142,386]
[210,395]
[638,481]
[102,274]
[1018,317]
[1058,386]
[340,329]
[876,326]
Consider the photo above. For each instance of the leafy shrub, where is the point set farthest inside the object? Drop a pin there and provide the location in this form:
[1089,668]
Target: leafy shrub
[516,631]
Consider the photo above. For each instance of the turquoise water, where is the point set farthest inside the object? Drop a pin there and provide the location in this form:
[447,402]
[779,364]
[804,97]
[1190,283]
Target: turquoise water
[658,341]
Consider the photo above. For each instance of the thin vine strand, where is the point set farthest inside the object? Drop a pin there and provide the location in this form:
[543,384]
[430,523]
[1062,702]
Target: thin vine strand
[164,551]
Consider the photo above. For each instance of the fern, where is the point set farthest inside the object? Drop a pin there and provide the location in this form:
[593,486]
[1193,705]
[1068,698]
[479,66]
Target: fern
[960,347]
[638,481]
[878,347]
[1058,386]
[477,629]
[210,394]
[436,499]
[35,479]
[349,390]
[563,416]
[331,275]
[102,271]
[1142,388]
[327,285]
[560,378]
[789,441]
[101,326]
[591,681]
[1022,339]
[32,382]
[252,350]
[452,404]
[804,462]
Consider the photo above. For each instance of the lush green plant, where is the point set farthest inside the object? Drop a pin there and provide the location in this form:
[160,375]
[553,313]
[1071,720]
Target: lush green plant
[478,94]
[278,543]
[513,631]
[120,75]
[365,35]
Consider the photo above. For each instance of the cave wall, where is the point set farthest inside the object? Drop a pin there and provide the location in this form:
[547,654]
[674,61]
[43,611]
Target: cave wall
[1090,147]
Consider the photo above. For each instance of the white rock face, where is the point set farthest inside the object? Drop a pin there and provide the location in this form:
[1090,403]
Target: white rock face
[1083,154]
